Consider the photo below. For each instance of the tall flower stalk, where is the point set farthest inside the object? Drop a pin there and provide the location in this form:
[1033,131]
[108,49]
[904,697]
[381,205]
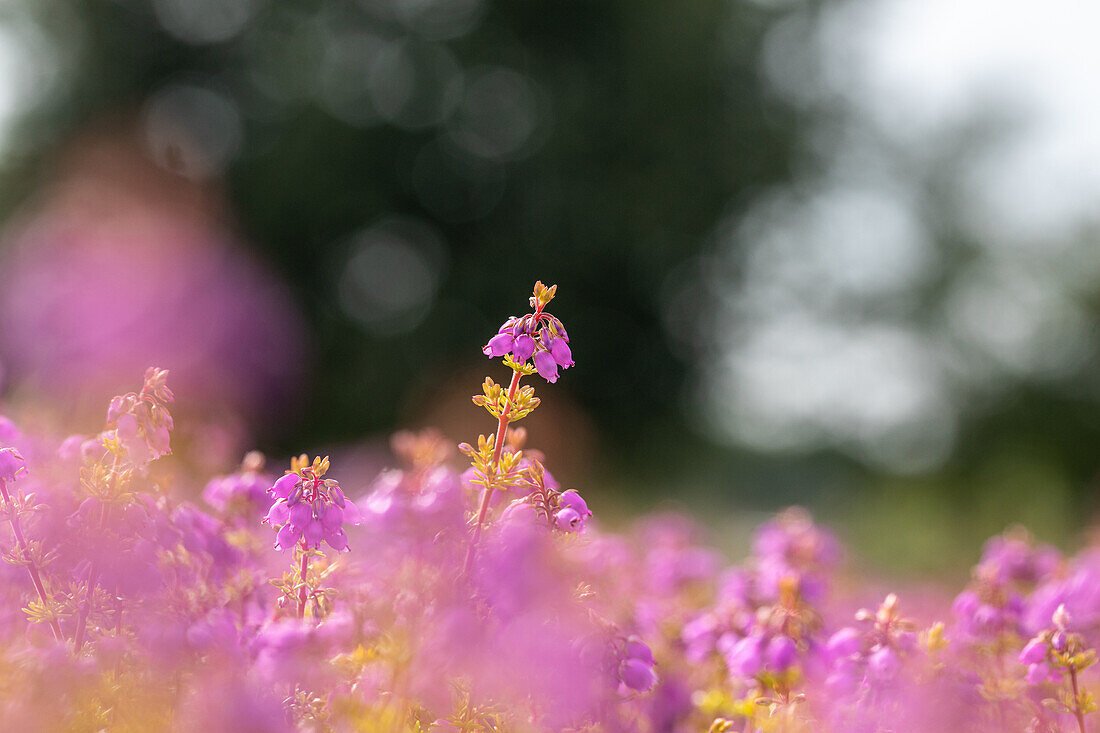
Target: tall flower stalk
[540,338]
[13,467]
[137,433]
[1057,651]
[307,510]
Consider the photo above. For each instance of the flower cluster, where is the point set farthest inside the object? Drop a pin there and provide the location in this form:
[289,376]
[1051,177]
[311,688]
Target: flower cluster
[309,508]
[141,421]
[538,336]
[1055,655]
[128,606]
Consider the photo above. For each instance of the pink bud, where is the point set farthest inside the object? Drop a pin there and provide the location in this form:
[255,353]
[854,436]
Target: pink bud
[567,520]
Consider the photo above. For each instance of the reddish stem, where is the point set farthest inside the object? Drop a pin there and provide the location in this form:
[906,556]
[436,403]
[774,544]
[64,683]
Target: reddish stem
[1077,700]
[32,568]
[494,463]
[302,595]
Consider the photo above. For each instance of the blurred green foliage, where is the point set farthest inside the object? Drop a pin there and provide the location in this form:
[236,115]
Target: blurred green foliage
[654,125]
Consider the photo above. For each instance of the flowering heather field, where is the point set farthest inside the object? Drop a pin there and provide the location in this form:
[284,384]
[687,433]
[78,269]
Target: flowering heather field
[484,599]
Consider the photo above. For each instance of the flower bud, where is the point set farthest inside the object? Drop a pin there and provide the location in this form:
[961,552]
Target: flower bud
[352,515]
[313,533]
[567,520]
[337,496]
[1061,617]
[574,501]
[337,540]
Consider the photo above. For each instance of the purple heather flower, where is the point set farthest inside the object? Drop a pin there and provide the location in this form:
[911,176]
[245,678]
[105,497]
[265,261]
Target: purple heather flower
[746,657]
[284,485]
[573,500]
[637,675]
[310,510]
[287,537]
[567,520]
[499,345]
[780,652]
[540,335]
[279,513]
[523,348]
[559,349]
[844,643]
[546,366]
[12,465]
[1034,652]
[1037,674]
[519,510]
[638,649]
[884,663]
[244,490]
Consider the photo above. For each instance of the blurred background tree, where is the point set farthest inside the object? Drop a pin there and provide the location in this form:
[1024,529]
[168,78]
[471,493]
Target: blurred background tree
[786,253]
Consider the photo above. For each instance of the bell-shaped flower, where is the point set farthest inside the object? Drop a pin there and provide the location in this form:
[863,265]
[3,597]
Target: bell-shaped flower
[546,366]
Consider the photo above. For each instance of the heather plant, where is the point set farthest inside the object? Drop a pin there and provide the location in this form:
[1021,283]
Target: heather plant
[486,597]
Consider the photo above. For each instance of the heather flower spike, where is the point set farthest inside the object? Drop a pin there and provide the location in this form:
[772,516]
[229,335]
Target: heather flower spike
[1058,655]
[307,510]
[538,337]
[137,433]
[12,468]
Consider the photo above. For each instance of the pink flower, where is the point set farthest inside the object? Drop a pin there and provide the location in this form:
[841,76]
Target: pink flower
[12,465]
[546,366]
